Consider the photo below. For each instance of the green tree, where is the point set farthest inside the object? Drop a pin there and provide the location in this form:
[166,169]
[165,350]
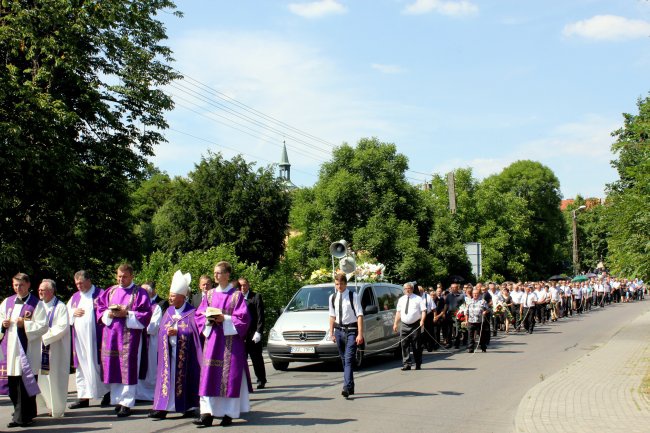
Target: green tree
[80,110]
[362,196]
[627,215]
[225,201]
[539,189]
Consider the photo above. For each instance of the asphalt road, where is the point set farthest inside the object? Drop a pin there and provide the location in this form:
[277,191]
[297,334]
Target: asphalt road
[454,391]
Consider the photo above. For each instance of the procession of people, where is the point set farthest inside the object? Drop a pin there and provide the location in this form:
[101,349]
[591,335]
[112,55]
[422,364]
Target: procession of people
[125,343]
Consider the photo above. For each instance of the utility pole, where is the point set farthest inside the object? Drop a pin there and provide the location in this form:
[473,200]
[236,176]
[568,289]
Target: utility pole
[576,266]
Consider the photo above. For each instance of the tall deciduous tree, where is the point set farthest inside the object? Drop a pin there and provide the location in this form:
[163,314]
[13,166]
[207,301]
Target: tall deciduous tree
[539,189]
[225,201]
[362,196]
[80,110]
[628,216]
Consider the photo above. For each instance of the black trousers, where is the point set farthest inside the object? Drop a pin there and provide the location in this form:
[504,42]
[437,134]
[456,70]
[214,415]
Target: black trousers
[255,352]
[476,333]
[529,318]
[24,405]
[410,336]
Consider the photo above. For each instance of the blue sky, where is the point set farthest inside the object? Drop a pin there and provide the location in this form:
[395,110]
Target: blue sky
[468,83]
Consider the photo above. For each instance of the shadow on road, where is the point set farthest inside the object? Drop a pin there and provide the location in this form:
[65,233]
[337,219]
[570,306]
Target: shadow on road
[259,418]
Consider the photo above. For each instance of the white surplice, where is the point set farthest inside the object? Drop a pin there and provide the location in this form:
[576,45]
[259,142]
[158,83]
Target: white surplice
[87,377]
[54,385]
[146,387]
[34,329]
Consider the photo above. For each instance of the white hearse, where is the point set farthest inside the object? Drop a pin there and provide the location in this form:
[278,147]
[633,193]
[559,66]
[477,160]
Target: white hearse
[301,333]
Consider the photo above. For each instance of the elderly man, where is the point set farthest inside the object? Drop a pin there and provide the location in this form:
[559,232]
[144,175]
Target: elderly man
[23,324]
[179,354]
[225,383]
[55,351]
[125,311]
[149,346]
[205,285]
[86,342]
[410,316]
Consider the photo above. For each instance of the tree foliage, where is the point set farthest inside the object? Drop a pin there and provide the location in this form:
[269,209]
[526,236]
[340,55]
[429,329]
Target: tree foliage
[80,110]
[362,196]
[627,216]
[222,202]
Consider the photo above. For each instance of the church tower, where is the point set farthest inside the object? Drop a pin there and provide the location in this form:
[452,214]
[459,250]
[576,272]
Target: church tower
[285,167]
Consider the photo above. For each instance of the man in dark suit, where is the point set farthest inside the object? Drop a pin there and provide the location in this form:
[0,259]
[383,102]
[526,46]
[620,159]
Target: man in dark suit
[254,337]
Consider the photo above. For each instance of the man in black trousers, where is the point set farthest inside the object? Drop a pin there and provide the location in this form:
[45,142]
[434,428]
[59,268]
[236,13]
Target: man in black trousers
[254,337]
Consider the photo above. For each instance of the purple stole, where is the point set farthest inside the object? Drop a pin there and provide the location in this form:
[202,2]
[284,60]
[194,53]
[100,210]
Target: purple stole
[185,390]
[99,326]
[29,380]
[45,350]
[224,359]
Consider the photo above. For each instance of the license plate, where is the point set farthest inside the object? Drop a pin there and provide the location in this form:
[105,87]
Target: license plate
[303,349]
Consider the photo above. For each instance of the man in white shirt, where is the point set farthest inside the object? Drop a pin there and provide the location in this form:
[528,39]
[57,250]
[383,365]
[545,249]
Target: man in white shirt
[55,356]
[555,302]
[516,294]
[527,311]
[346,328]
[577,298]
[410,316]
[426,339]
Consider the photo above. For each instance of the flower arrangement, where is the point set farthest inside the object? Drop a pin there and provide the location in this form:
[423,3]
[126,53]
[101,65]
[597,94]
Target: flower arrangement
[370,272]
[501,308]
[321,275]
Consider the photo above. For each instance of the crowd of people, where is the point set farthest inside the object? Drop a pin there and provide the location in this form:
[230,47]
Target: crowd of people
[189,354]
[470,315]
[186,355]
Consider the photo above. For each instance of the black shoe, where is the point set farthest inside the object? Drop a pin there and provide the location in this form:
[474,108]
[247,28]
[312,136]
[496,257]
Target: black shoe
[345,393]
[261,384]
[351,391]
[13,424]
[204,420]
[124,412]
[82,402]
[225,421]
[106,400]
[117,408]
[457,346]
[406,367]
[157,414]
[192,413]
[418,367]
[483,350]
[470,350]
[448,346]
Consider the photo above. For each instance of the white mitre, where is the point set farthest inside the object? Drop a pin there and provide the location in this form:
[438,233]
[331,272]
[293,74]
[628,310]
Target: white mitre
[181,284]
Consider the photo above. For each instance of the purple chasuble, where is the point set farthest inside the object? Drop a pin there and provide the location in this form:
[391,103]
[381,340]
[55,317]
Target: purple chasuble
[99,326]
[224,359]
[120,345]
[185,389]
[26,313]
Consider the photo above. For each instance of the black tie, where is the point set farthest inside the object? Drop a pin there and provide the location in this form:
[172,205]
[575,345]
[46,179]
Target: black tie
[406,310]
[340,309]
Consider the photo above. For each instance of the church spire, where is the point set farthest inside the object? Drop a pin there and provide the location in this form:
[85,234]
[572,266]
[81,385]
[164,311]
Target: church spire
[285,167]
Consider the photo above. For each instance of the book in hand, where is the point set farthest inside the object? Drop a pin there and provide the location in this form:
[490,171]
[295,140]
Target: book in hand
[212,313]
[115,307]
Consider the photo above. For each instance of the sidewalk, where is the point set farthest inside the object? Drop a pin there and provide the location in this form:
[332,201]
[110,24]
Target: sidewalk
[599,392]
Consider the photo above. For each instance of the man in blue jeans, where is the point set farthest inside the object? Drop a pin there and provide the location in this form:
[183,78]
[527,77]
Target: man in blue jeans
[346,328]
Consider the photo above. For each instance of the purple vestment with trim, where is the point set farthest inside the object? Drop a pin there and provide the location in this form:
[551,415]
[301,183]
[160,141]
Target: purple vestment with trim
[120,345]
[185,389]
[224,359]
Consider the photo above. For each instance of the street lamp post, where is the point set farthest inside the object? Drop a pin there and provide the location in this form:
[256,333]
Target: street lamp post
[575,240]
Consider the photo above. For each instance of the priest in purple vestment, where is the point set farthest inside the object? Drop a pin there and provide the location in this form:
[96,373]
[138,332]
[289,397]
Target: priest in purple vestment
[225,383]
[179,354]
[125,311]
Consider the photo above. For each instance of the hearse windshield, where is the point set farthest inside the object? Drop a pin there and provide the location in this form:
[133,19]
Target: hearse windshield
[312,298]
